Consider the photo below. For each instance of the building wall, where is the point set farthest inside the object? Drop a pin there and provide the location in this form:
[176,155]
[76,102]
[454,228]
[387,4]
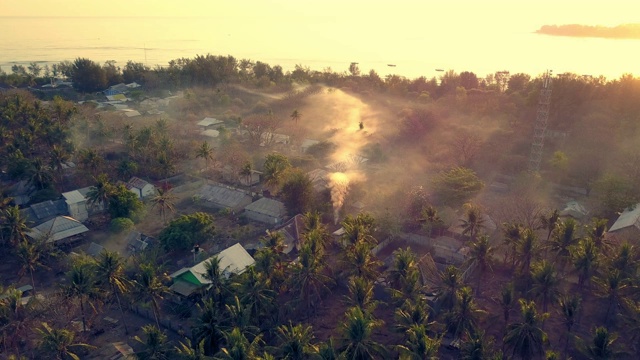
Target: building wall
[262,217]
[147,190]
[78,211]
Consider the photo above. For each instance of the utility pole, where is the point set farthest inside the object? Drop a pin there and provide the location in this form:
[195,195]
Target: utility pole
[540,126]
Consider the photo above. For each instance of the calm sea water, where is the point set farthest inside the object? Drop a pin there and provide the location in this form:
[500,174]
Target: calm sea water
[317,43]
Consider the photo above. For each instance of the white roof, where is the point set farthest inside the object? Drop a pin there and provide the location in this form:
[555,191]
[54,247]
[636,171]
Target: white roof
[233,260]
[58,228]
[209,121]
[132,113]
[223,197]
[574,209]
[266,206]
[630,217]
[210,133]
[73,197]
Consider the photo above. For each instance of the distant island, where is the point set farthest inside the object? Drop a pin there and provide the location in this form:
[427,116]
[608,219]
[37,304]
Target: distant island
[624,31]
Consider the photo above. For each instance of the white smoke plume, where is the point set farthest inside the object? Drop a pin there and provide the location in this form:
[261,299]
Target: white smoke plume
[339,185]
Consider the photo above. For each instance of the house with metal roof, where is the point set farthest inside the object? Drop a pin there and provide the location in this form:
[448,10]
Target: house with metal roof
[292,231]
[209,123]
[61,229]
[222,197]
[233,260]
[38,213]
[78,206]
[143,189]
[627,227]
[265,210]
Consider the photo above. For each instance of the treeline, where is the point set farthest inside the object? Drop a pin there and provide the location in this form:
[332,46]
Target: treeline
[625,31]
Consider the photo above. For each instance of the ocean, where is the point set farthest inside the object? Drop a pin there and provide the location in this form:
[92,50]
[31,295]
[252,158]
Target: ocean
[317,43]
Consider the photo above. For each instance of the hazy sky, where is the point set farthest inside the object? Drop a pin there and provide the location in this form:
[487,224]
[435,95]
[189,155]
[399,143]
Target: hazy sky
[389,12]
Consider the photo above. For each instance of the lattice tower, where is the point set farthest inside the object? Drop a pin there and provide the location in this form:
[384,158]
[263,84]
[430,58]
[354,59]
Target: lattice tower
[540,126]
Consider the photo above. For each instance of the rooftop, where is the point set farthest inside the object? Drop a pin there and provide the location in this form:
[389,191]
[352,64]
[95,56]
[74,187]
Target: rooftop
[209,122]
[629,217]
[138,183]
[222,196]
[74,197]
[266,206]
[58,228]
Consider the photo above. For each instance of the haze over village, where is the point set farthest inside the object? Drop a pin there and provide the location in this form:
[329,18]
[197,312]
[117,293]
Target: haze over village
[225,207]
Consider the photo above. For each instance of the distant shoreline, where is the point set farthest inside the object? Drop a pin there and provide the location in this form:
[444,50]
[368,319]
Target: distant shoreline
[625,31]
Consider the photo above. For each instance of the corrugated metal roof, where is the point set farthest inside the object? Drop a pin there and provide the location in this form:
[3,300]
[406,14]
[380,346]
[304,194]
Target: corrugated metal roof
[223,197]
[630,217]
[73,197]
[209,121]
[49,208]
[267,207]
[138,183]
[59,228]
[233,260]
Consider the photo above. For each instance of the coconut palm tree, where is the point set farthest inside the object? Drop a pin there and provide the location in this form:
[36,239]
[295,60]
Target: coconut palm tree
[14,226]
[101,192]
[81,285]
[597,231]
[586,259]
[612,286]
[473,221]
[109,271]
[513,234]
[465,315]
[155,344]
[58,157]
[30,255]
[14,317]
[258,295]
[404,276]
[626,260]
[126,169]
[246,171]
[562,241]
[545,282]
[189,351]
[220,287]
[58,343]
[477,346]
[419,346]
[39,174]
[507,301]
[327,350]
[164,200]
[238,315]
[446,292]
[307,277]
[602,346]
[356,342]
[528,250]
[238,347]
[295,342]
[412,313]
[569,307]
[430,219]
[549,222]
[208,330]
[361,293]
[275,168]
[360,262]
[150,288]
[205,151]
[526,338]
[90,161]
[481,256]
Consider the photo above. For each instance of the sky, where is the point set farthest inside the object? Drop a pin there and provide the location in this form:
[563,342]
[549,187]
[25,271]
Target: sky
[389,12]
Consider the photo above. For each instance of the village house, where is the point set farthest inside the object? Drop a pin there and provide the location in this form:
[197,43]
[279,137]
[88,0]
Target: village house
[209,123]
[78,206]
[233,260]
[141,188]
[627,227]
[292,231]
[61,229]
[38,213]
[265,210]
[221,197]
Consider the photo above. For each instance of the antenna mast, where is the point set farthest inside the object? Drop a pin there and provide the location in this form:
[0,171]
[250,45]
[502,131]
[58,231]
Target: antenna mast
[540,126]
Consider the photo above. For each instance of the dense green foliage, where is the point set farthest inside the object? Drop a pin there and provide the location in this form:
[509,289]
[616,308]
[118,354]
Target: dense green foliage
[186,231]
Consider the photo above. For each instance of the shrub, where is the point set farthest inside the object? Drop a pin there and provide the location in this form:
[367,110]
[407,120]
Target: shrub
[120,224]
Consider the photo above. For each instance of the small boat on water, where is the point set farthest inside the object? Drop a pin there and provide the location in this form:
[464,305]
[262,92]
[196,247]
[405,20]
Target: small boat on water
[391,65]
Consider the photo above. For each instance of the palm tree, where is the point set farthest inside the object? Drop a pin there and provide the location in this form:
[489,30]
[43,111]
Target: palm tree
[205,151]
[412,313]
[238,347]
[545,282]
[404,276]
[464,316]
[597,231]
[156,345]
[275,168]
[307,277]
[526,338]
[586,261]
[327,350]
[549,222]
[295,342]
[247,170]
[564,238]
[219,287]
[58,158]
[257,295]
[356,336]
[477,346]
[109,270]
[126,169]
[507,301]
[612,286]
[90,161]
[361,293]
[626,260]
[419,346]
[39,174]
[189,351]
[238,315]
[208,328]
[481,256]
[430,219]
[295,116]
[14,226]
[446,292]
[150,287]
[360,262]
[569,307]
[58,343]
[82,285]
[528,250]
[513,234]
[602,346]
[473,221]
[165,201]
[30,254]
[101,192]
